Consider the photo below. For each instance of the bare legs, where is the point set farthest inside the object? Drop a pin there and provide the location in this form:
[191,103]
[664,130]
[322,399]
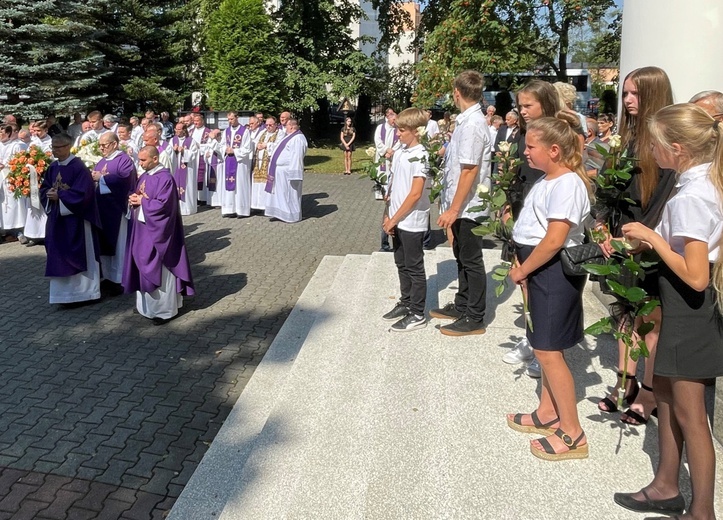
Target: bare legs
[557,398]
[347,162]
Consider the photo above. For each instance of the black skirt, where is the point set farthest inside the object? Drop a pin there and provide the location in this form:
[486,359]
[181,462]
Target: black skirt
[555,305]
[691,334]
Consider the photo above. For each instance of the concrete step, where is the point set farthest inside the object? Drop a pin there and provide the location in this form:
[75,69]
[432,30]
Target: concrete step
[211,484]
[375,424]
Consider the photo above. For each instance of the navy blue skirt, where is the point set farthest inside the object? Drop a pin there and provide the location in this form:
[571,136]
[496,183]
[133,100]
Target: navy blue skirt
[555,304]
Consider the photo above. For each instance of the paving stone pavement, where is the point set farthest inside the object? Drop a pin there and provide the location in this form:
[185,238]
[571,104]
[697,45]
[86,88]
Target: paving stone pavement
[103,414]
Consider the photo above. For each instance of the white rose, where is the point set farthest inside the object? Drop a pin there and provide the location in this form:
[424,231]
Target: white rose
[482,189]
[371,151]
[421,131]
[631,243]
[504,147]
[615,141]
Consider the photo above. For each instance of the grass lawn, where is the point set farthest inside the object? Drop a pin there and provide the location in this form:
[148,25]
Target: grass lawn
[330,159]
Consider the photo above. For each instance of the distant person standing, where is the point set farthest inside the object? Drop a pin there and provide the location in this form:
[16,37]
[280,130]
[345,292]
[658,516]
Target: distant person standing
[347,136]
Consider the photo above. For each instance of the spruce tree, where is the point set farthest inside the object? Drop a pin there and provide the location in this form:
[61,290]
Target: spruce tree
[244,70]
[50,60]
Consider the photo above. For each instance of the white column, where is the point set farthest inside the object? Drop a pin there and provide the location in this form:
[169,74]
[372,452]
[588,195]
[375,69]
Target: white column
[682,37]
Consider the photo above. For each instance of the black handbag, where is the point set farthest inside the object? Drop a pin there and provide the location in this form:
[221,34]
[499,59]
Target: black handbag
[574,257]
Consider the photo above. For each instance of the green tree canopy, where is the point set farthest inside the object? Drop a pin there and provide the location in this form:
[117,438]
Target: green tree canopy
[242,60]
[49,58]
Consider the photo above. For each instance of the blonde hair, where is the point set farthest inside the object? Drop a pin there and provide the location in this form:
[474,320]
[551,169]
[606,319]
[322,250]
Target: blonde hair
[699,136]
[567,93]
[411,118]
[560,130]
[654,93]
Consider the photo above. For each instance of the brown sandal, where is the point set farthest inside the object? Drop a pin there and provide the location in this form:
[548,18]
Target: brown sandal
[549,453]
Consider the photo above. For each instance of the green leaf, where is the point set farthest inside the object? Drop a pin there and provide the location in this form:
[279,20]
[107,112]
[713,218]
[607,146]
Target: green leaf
[632,266]
[498,277]
[602,326]
[636,294]
[618,288]
[600,270]
[648,265]
[618,246]
[483,230]
[643,347]
[499,198]
[645,328]
[649,307]
[499,290]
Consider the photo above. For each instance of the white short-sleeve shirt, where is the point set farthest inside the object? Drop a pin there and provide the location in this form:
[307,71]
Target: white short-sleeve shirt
[694,212]
[404,170]
[470,140]
[562,198]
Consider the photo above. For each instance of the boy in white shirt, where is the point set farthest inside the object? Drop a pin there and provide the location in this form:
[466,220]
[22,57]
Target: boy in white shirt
[407,219]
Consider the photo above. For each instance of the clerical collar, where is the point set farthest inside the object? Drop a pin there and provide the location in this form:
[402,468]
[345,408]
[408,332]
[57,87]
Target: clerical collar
[155,170]
[66,161]
[113,155]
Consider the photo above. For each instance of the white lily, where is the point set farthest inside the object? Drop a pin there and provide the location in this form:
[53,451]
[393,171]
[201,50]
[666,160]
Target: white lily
[615,141]
[504,147]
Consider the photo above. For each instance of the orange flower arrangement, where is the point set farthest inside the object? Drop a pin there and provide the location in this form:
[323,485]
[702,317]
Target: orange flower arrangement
[19,176]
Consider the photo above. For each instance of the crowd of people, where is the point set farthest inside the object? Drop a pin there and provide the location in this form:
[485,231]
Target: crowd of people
[110,205]
[672,210]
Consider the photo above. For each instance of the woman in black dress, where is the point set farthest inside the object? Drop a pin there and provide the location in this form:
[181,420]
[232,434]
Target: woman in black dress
[347,136]
[645,91]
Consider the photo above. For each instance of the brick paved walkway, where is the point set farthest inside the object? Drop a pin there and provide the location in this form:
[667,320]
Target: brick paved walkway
[102,414]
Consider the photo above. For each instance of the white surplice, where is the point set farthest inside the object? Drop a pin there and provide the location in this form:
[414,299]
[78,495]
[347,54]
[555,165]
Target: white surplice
[284,202]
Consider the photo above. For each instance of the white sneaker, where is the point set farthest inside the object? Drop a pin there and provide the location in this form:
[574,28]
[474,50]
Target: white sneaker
[521,353]
[533,369]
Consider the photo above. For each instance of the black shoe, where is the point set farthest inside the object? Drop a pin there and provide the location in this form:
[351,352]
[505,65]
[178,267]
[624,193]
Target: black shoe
[399,311]
[464,326]
[409,322]
[229,215]
[385,249]
[448,312]
[160,321]
[669,506]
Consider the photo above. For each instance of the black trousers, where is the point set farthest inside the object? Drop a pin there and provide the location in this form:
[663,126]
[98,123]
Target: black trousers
[409,257]
[471,297]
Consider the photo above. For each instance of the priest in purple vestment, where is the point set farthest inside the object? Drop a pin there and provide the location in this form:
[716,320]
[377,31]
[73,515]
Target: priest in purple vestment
[115,177]
[157,265]
[68,196]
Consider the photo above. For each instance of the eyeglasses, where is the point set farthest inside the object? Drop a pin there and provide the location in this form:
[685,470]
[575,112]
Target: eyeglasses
[104,145]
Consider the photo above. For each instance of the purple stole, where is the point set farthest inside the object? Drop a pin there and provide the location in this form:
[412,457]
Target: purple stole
[201,173]
[162,147]
[383,166]
[274,159]
[231,162]
[179,167]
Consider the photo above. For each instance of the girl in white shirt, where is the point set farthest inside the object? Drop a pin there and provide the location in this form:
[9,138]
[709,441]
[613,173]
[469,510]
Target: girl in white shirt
[552,218]
[690,348]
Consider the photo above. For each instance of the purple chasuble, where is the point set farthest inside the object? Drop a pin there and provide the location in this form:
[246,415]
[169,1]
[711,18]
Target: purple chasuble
[383,166]
[231,162]
[158,242]
[274,159]
[179,167]
[65,234]
[119,175]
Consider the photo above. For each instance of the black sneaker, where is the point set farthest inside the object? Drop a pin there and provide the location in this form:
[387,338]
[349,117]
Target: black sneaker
[409,322]
[464,326]
[399,311]
[448,312]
